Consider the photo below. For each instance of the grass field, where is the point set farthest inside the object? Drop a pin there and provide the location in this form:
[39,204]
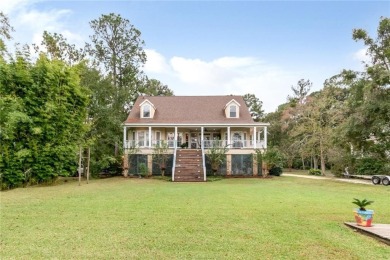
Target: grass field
[305,172]
[118,218]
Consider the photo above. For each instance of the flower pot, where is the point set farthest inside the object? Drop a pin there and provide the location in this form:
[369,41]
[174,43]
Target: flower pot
[363,217]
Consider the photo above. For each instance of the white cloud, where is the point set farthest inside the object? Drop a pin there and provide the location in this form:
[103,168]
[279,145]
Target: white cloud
[36,22]
[43,20]
[201,73]
[156,62]
[29,22]
[236,62]
[10,6]
[223,76]
[361,55]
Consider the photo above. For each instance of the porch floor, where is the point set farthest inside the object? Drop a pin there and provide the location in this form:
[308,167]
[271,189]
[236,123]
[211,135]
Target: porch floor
[378,231]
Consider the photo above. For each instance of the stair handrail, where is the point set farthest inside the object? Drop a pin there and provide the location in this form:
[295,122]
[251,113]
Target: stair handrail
[203,161]
[174,163]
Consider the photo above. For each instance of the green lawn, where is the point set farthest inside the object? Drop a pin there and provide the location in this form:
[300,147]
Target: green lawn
[117,218]
[305,172]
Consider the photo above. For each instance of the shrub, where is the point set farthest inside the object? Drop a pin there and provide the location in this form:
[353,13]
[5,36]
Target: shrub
[142,170]
[315,171]
[217,155]
[275,171]
[339,160]
[370,166]
[273,158]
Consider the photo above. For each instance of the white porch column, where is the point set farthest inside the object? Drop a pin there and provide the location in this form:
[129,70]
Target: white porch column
[124,137]
[175,142]
[265,137]
[254,137]
[228,135]
[201,137]
[150,137]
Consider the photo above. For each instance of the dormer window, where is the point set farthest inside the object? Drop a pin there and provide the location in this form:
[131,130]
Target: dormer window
[232,109]
[147,109]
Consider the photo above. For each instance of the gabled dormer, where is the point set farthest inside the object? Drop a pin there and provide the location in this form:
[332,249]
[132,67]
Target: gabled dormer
[147,109]
[232,109]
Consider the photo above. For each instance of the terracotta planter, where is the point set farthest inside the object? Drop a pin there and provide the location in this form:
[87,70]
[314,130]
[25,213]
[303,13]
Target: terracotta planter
[363,217]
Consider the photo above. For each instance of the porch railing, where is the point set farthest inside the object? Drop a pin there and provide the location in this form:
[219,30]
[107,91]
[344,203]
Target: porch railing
[204,163]
[234,144]
[174,164]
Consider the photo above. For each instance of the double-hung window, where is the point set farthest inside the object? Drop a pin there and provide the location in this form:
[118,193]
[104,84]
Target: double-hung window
[233,111]
[146,111]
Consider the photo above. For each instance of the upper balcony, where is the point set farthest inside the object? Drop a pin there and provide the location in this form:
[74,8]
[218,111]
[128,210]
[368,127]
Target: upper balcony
[233,144]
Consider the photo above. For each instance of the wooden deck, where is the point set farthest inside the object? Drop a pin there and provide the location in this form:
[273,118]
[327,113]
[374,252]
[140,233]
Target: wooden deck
[378,231]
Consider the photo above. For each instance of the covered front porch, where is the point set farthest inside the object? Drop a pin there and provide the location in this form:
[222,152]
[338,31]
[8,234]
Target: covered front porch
[196,136]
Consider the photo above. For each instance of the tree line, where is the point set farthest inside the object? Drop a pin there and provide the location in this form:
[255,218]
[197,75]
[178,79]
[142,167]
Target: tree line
[56,97]
[346,123]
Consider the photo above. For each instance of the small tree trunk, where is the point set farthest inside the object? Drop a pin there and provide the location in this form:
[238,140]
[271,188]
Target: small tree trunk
[116,150]
[264,170]
[315,162]
[311,162]
[322,160]
[125,166]
[303,163]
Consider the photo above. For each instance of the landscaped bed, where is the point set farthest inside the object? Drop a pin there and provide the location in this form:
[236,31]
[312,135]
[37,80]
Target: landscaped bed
[252,218]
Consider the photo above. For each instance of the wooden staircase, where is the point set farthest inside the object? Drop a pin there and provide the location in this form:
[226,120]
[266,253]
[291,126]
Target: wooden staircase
[189,165]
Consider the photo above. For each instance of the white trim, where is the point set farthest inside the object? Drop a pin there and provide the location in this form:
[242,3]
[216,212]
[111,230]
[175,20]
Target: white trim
[150,137]
[202,136]
[197,125]
[254,137]
[124,136]
[147,101]
[175,141]
[228,136]
[232,101]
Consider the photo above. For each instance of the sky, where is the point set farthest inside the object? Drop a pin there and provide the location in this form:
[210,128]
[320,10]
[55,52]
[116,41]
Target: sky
[221,47]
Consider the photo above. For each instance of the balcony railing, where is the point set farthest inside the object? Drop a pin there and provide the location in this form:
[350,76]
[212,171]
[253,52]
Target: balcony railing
[234,144]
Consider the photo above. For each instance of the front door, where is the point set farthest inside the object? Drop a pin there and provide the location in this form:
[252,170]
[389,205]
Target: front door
[194,141]
[207,140]
[171,139]
[141,138]
[237,139]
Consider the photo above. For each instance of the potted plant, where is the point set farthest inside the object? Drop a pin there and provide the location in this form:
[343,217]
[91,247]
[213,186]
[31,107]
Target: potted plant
[363,216]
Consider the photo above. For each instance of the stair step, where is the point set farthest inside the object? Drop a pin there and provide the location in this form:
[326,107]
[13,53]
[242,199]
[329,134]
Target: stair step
[189,167]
